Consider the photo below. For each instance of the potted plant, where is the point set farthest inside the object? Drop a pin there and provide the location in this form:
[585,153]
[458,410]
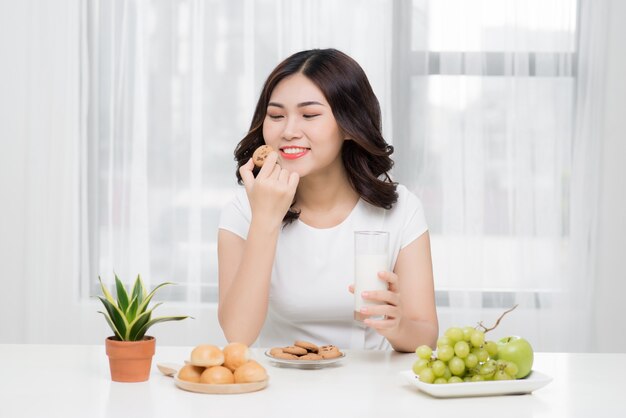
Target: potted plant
[130,350]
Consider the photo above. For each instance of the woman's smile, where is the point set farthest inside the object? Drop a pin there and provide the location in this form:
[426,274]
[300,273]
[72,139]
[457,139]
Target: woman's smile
[292,153]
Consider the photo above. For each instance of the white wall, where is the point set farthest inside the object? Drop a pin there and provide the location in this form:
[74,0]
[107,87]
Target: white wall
[610,294]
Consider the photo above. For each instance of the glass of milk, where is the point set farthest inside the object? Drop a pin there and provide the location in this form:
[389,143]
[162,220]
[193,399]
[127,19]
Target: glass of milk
[370,257]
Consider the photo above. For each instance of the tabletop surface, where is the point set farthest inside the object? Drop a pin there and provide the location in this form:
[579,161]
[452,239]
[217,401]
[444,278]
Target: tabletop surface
[74,381]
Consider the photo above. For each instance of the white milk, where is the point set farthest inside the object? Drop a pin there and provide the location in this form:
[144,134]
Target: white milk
[366,268]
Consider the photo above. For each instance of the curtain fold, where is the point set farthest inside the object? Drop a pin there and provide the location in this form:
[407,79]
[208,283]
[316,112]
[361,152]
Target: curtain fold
[39,149]
[586,157]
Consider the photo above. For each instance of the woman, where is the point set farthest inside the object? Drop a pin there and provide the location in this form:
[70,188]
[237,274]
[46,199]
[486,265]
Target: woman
[285,243]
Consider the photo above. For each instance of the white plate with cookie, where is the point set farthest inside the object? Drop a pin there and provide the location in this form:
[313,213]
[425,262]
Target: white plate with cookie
[304,364]
[304,355]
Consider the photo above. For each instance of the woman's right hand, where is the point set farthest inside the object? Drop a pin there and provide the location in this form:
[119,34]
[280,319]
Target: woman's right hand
[271,193]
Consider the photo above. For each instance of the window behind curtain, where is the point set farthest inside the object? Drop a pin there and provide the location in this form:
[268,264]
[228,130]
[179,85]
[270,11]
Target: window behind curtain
[477,98]
[169,88]
[483,133]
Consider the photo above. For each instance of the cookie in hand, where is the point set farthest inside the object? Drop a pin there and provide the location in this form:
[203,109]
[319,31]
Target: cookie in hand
[260,154]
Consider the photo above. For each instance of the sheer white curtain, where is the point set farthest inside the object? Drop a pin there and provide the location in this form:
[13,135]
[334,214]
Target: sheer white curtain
[487,144]
[40,301]
[479,98]
[170,88]
[588,141]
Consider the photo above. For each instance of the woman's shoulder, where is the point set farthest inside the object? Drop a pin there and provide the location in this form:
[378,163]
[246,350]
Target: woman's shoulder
[406,197]
[404,208]
[239,199]
[408,215]
[236,213]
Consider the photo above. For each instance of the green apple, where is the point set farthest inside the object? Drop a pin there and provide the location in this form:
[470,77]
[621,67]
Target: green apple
[519,351]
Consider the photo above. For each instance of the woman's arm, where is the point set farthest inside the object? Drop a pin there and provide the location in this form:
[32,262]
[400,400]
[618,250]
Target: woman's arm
[412,315]
[245,266]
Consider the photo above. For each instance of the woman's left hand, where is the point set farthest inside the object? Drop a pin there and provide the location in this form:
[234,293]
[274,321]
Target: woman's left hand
[390,309]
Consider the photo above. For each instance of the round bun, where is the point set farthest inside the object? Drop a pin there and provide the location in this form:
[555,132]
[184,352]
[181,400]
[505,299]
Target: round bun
[250,372]
[236,354]
[190,373]
[217,375]
[207,355]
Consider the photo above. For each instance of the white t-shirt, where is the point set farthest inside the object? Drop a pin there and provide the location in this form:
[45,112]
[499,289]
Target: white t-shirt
[309,298]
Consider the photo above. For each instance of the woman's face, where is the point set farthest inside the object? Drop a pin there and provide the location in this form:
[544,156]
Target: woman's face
[300,125]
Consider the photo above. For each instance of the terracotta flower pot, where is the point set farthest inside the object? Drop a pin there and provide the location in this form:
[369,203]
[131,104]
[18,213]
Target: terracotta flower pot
[130,361]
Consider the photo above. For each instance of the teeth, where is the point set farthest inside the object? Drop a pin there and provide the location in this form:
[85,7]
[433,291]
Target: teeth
[293,150]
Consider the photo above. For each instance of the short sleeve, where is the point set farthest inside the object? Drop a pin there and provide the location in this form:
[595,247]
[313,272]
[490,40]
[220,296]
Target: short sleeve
[414,222]
[236,215]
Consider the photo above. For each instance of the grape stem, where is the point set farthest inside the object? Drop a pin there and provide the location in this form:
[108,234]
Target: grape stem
[486,330]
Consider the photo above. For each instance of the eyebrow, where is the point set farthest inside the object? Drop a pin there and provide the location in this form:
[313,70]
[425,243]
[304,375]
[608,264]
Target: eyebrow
[303,104]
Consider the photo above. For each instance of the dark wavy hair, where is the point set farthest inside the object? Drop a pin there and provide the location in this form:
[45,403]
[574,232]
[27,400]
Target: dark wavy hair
[357,112]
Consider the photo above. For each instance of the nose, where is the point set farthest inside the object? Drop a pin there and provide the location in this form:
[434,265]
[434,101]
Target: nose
[291,129]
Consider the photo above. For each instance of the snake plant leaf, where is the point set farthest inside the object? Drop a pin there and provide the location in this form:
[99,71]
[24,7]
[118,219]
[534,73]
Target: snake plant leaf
[139,322]
[122,296]
[145,328]
[106,292]
[116,316]
[144,291]
[138,290]
[146,300]
[142,318]
[117,334]
[131,311]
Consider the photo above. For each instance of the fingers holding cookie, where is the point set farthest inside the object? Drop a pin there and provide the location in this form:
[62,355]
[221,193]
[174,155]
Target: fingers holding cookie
[260,154]
[270,190]
[269,165]
[247,176]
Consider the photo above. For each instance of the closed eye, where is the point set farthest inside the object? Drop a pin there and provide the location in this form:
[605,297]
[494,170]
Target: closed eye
[310,116]
[275,117]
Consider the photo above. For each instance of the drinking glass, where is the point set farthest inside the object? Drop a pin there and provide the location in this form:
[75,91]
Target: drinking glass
[370,257]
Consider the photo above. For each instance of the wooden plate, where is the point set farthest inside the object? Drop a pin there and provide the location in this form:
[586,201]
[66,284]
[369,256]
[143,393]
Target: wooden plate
[232,388]
[171,370]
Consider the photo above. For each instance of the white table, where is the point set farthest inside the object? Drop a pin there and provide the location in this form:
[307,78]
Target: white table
[74,381]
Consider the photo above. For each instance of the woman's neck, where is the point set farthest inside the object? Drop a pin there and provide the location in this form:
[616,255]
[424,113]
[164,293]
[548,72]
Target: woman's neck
[325,200]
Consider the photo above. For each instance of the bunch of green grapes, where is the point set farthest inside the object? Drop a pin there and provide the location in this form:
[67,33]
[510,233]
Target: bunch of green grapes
[462,355]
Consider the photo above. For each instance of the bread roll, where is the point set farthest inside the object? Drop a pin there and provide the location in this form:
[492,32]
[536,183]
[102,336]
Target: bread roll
[217,375]
[236,354]
[250,372]
[207,355]
[190,373]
